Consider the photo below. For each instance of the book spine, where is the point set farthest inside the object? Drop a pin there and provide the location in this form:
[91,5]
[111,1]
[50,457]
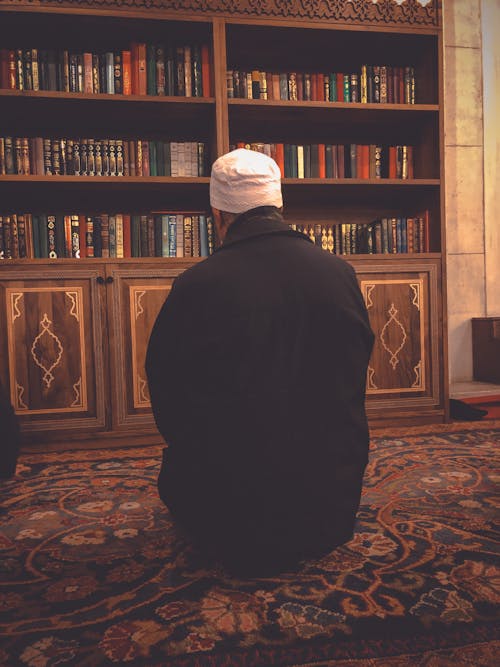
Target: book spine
[172,235]
[112,235]
[188,235]
[195,226]
[180,235]
[126,72]
[117,73]
[188,79]
[205,71]
[203,235]
[89,236]
[75,236]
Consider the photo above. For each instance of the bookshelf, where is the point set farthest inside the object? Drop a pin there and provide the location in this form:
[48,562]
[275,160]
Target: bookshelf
[77,329]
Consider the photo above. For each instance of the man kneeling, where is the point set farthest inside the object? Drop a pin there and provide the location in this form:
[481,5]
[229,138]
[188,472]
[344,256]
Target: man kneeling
[256,367]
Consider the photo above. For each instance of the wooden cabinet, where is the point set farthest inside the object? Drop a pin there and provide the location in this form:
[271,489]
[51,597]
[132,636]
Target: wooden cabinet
[54,349]
[135,296]
[76,345]
[74,331]
[403,301]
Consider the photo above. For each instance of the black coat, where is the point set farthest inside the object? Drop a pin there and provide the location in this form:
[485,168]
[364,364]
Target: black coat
[256,367]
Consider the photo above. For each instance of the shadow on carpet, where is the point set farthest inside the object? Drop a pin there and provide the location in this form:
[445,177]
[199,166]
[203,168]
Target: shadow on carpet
[92,573]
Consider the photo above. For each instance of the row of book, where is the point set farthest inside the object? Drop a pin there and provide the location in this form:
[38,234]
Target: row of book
[186,234]
[338,161]
[142,69]
[101,157]
[373,84]
[382,236]
[156,234]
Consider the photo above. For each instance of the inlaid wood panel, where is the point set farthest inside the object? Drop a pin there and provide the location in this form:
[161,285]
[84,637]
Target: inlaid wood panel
[55,358]
[145,302]
[45,326]
[402,307]
[135,297]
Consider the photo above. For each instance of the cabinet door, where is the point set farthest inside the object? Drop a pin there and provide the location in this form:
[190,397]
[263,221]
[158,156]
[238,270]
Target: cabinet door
[135,296]
[403,306]
[54,348]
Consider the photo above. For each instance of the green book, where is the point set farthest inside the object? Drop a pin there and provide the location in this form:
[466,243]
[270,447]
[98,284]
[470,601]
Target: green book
[153,164]
[333,87]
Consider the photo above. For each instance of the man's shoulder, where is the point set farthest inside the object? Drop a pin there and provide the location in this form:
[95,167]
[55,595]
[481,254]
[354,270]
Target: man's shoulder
[198,274]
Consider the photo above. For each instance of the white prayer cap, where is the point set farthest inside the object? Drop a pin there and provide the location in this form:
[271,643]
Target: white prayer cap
[244,179]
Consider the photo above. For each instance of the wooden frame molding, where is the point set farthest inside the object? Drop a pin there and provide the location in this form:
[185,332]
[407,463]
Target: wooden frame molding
[355,12]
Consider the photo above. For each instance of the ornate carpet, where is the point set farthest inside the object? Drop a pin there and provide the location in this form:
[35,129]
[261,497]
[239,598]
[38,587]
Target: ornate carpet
[91,572]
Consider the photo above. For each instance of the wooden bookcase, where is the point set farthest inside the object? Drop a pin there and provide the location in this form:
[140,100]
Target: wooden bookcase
[74,332]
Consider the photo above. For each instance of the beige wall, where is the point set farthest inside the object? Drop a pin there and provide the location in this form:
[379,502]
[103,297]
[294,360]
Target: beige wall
[471,172]
[490,22]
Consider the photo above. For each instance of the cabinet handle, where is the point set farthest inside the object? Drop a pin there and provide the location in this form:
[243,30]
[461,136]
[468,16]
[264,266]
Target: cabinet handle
[100,280]
[109,280]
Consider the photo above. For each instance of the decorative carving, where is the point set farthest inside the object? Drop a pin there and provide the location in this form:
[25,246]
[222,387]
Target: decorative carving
[370,384]
[416,13]
[368,295]
[142,386]
[73,296]
[138,305]
[77,388]
[418,384]
[39,351]
[416,294]
[20,404]
[393,322]
[15,297]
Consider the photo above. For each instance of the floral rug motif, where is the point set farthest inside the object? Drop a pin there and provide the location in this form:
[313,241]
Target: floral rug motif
[92,572]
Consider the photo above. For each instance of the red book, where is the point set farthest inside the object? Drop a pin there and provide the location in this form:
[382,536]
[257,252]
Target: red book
[141,70]
[4,68]
[321,161]
[127,241]
[364,166]
[392,161]
[134,68]
[340,87]
[82,233]
[127,72]
[88,79]
[321,87]
[280,158]
[206,83]
[314,87]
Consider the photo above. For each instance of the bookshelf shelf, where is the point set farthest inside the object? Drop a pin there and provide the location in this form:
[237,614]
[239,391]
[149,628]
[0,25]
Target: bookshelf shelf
[108,97]
[347,106]
[105,180]
[363,182]
[298,38]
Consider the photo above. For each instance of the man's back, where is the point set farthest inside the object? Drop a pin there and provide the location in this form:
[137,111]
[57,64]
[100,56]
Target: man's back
[257,368]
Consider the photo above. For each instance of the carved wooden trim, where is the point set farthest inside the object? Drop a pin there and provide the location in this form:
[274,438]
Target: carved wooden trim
[411,13]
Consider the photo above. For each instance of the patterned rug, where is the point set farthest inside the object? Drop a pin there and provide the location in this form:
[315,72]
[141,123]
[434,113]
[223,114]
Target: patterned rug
[91,572]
